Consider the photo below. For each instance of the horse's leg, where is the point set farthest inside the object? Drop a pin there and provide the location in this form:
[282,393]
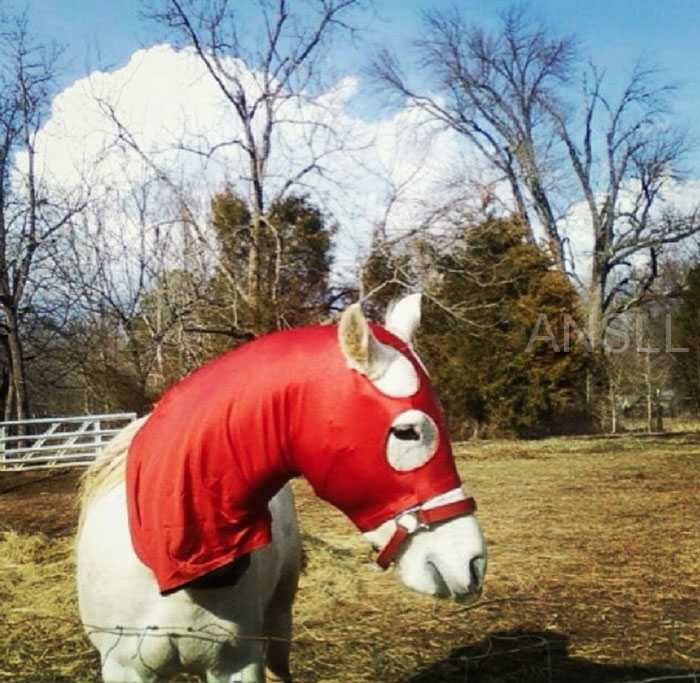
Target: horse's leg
[278,613]
[278,626]
[279,646]
[237,609]
[114,672]
[239,661]
[116,592]
[253,672]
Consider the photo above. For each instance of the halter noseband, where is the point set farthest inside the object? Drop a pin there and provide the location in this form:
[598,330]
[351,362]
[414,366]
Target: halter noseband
[418,518]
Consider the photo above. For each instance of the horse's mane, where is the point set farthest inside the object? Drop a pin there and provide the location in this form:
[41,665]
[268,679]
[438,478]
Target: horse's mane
[109,467]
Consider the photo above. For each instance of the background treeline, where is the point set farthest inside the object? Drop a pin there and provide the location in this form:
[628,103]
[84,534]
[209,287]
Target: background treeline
[111,292]
[498,369]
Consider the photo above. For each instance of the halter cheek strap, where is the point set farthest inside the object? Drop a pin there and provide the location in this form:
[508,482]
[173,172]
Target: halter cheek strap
[418,518]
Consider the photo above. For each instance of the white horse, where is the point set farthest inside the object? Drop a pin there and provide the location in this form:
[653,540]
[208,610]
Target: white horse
[233,629]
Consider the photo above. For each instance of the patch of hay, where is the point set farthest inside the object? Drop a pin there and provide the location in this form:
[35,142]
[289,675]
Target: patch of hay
[593,574]
[594,566]
[41,638]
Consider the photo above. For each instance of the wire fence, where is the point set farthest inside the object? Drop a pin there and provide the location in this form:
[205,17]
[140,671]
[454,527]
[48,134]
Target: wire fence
[525,658]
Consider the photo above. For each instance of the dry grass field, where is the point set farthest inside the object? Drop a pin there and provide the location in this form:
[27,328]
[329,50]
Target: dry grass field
[594,575]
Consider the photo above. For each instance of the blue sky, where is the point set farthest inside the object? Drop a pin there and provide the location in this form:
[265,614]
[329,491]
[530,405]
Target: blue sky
[614,32]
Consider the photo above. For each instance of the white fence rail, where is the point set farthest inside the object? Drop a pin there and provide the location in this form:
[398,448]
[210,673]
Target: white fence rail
[52,442]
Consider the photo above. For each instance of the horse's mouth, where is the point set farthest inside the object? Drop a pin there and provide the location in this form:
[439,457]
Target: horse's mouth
[468,599]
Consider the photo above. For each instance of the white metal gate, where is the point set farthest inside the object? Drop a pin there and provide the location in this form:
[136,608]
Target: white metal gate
[57,441]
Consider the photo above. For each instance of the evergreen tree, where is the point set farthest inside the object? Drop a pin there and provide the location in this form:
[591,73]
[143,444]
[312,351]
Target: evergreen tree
[290,285]
[492,287]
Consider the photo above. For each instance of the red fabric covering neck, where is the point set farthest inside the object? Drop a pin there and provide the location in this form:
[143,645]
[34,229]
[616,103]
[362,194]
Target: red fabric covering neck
[223,441]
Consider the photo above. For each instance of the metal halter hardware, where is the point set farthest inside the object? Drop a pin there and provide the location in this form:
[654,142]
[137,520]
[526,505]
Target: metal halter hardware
[418,518]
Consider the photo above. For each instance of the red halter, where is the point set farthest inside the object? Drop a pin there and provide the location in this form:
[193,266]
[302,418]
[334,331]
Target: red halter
[420,518]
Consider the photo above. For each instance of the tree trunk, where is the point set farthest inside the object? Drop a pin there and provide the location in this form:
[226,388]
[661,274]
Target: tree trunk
[659,412]
[595,313]
[6,392]
[650,394]
[613,409]
[595,331]
[18,377]
[589,393]
[8,395]
[253,288]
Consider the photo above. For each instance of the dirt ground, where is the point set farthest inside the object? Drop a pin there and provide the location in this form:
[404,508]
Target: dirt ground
[594,575]
[40,501]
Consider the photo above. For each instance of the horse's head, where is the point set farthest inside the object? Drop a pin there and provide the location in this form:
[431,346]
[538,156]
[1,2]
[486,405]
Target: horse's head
[387,458]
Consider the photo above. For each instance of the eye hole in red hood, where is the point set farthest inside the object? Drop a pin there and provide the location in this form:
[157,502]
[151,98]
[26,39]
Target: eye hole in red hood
[412,441]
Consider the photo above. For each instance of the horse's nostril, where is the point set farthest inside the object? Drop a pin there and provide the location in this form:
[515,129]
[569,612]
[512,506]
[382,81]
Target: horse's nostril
[477,569]
[441,589]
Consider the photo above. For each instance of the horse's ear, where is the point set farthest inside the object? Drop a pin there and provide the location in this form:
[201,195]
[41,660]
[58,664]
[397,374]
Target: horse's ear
[390,371]
[403,317]
[360,348]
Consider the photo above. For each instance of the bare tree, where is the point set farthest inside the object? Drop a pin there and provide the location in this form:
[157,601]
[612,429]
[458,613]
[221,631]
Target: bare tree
[269,77]
[511,95]
[31,216]
[137,287]
[489,89]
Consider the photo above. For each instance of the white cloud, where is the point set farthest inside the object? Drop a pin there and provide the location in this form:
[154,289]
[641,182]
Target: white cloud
[164,96]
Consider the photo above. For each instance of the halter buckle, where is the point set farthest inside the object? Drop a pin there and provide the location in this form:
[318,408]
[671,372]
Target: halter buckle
[410,520]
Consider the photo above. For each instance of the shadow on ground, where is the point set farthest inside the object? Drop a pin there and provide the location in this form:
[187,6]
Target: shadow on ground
[536,657]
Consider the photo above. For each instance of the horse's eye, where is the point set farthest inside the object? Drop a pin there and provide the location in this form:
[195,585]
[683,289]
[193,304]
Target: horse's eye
[405,433]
